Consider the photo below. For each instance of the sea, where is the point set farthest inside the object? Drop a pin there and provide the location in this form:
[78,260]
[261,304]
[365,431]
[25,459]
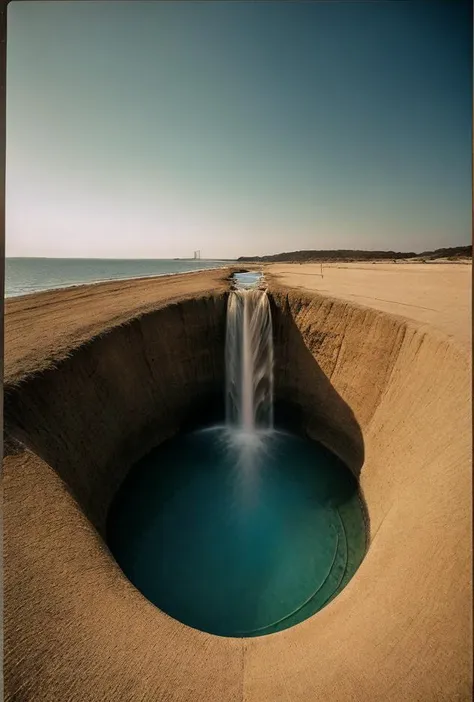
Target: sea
[29,275]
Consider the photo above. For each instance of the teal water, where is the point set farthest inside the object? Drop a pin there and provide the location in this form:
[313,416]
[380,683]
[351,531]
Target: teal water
[29,275]
[248,279]
[238,549]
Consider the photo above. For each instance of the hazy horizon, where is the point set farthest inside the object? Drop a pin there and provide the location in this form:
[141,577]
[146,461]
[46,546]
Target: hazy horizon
[214,258]
[146,130]
[111,258]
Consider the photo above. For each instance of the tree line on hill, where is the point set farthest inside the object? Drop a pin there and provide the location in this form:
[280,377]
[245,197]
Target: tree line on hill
[356,255]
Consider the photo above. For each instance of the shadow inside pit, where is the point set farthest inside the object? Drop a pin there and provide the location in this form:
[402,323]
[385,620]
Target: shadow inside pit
[305,400]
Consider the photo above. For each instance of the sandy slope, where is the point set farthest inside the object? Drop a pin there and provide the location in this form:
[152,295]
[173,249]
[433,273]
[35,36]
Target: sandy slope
[42,328]
[390,393]
[436,294]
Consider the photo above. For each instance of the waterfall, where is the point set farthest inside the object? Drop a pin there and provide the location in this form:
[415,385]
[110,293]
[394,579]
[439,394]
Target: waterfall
[249,362]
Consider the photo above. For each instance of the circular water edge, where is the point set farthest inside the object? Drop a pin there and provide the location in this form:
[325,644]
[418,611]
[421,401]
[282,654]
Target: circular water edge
[238,537]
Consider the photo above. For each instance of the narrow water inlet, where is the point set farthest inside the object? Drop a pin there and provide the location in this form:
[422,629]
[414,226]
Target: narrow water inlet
[247,280]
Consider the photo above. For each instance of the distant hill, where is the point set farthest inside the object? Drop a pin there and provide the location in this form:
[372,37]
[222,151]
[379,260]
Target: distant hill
[356,255]
[453,252]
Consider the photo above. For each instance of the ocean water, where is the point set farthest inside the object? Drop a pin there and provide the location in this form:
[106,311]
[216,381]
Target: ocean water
[29,275]
[238,548]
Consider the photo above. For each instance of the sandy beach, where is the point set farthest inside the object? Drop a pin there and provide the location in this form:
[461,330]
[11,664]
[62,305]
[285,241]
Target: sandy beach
[376,359]
[47,324]
[42,328]
[436,294]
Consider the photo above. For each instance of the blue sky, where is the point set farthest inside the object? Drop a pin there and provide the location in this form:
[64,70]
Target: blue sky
[151,129]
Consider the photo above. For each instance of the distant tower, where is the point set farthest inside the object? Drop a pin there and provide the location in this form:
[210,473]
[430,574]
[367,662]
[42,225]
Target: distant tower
[197,255]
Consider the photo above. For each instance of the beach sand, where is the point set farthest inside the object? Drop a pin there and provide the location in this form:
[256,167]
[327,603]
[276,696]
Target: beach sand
[436,294]
[42,328]
[377,359]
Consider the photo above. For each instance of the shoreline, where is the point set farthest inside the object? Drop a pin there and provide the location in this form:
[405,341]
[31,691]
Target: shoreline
[298,265]
[110,280]
[43,328]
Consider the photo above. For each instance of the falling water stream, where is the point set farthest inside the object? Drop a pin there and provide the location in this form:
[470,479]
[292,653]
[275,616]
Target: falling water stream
[240,529]
[249,361]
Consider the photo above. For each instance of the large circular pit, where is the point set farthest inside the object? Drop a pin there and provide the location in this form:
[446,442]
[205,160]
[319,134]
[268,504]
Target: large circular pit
[141,365]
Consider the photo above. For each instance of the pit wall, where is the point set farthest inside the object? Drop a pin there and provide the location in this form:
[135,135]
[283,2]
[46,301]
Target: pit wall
[391,398]
[337,368]
[385,394]
[401,629]
[119,395]
[115,397]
